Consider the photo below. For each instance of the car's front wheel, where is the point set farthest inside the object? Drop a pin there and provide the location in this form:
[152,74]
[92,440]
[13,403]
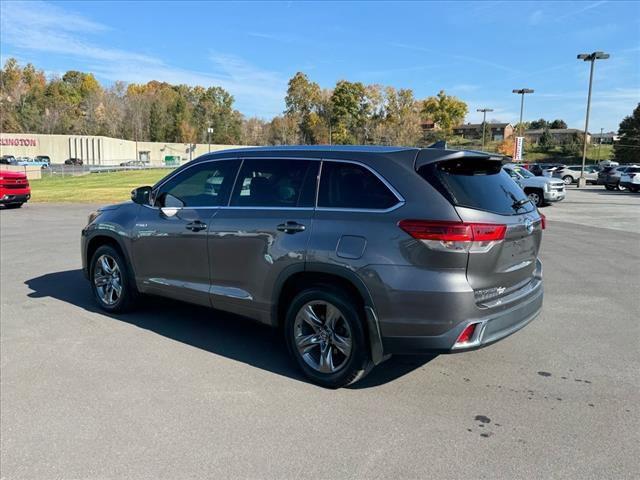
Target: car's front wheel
[536,197]
[567,179]
[110,281]
[325,335]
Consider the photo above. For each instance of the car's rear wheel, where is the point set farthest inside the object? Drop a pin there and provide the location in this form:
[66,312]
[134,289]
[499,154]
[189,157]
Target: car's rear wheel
[621,188]
[110,280]
[324,333]
[567,179]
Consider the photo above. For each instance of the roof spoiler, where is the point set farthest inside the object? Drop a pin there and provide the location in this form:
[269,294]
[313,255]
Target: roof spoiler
[441,144]
[435,153]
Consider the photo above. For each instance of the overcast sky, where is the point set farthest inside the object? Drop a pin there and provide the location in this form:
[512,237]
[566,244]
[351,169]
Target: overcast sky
[478,51]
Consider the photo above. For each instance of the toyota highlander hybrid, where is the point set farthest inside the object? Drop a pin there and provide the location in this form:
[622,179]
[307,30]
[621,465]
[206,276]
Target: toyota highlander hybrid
[355,253]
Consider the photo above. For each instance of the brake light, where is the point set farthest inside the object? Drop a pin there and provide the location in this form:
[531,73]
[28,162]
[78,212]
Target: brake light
[543,221]
[462,237]
[453,231]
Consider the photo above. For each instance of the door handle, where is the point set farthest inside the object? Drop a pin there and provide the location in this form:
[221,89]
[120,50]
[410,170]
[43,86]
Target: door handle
[291,227]
[196,226]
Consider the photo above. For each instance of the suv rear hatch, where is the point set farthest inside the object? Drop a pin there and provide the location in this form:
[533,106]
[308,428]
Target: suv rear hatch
[504,261]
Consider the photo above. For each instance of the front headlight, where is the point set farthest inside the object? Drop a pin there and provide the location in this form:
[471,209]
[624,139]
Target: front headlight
[92,217]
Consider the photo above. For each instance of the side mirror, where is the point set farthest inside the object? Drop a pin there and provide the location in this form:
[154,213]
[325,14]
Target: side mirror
[141,195]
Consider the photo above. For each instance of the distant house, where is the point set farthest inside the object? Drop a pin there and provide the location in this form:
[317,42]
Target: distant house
[429,126]
[560,135]
[499,131]
[607,137]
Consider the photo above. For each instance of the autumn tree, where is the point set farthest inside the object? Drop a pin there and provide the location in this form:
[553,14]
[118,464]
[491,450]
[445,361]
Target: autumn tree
[445,110]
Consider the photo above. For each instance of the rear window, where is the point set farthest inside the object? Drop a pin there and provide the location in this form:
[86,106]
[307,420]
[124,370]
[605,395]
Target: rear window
[478,184]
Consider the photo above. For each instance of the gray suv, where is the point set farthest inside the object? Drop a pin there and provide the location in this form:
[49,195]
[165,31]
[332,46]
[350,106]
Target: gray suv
[356,253]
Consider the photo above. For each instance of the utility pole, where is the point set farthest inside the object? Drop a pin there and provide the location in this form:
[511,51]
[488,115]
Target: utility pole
[484,122]
[599,145]
[522,92]
[588,57]
[209,132]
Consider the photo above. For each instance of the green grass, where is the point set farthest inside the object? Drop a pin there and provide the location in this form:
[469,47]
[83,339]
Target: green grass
[94,187]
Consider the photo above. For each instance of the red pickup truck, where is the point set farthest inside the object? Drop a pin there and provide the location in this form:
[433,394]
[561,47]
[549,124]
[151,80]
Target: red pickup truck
[14,189]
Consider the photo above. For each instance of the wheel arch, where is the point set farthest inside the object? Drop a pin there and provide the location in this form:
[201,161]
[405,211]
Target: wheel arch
[297,278]
[98,240]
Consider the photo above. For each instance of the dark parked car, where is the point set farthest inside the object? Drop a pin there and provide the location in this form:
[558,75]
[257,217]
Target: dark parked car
[538,169]
[357,253]
[8,160]
[610,177]
[73,161]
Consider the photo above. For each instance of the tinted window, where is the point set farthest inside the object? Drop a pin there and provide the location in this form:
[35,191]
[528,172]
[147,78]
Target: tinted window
[479,184]
[347,185]
[275,183]
[204,185]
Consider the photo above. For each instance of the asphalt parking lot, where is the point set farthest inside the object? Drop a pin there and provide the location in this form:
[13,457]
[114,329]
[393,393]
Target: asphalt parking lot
[175,391]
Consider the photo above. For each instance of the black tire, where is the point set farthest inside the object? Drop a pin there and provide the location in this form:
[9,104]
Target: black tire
[620,188]
[13,205]
[536,196]
[128,296]
[357,364]
[567,179]
[609,187]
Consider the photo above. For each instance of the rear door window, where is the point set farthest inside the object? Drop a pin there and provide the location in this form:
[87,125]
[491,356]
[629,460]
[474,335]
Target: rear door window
[478,184]
[352,186]
[280,183]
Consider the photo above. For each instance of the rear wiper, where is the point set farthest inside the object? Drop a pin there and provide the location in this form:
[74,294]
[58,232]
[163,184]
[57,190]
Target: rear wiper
[517,205]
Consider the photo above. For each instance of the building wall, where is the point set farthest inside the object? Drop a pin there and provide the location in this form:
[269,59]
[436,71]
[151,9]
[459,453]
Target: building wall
[96,150]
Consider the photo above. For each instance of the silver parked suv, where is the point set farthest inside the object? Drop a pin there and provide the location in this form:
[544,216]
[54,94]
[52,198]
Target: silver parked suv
[356,253]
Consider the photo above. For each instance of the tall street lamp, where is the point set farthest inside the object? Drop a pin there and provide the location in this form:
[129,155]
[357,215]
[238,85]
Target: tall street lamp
[522,92]
[484,121]
[588,57]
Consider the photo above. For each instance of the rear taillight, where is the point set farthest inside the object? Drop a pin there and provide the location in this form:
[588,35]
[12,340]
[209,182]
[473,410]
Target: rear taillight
[455,236]
[543,221]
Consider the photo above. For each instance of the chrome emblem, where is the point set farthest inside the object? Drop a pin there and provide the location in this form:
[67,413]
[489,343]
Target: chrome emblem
[528,224]
[500,290]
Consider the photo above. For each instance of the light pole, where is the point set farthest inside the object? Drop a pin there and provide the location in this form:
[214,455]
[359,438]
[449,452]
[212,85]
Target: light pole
[209,132]
[522,92]
[588,57]
[484,121]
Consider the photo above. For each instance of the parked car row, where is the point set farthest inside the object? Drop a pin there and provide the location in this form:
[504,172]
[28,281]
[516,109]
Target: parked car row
[42,161]
[609,174]
[620,177]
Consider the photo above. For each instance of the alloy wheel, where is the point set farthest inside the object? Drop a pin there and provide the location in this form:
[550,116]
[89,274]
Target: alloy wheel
[323,337]
[535,198]
[107,279]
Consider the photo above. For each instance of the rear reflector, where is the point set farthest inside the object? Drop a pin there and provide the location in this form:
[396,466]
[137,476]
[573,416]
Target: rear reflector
[453,231]
[466,334]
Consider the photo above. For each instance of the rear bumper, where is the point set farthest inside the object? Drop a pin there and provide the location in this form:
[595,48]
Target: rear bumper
[424,311]
[488,330]
[8,198]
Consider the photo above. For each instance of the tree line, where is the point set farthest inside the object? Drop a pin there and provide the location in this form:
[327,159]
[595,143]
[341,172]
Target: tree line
[349,113]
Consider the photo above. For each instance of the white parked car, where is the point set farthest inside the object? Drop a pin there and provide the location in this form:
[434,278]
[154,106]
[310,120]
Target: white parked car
[630,179]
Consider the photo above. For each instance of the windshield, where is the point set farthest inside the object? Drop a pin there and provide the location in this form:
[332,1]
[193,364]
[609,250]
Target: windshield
[524,172]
